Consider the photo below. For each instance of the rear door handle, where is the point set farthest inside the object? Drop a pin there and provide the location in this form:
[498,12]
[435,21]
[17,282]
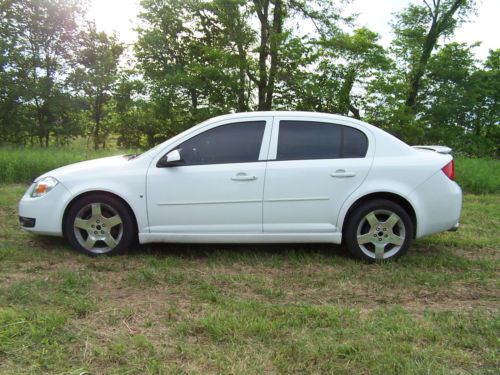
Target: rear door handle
[340,173]
[243,177]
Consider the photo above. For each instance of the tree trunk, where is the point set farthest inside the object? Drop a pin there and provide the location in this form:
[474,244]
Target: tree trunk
[419,69]
[439,24]
[194,98]
[345,92]
[97,119]
[355,112]
[242,105]
[262,9]
[96,133]
[276,36]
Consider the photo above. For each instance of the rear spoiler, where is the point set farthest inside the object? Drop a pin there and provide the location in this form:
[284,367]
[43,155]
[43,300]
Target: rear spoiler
[438,149]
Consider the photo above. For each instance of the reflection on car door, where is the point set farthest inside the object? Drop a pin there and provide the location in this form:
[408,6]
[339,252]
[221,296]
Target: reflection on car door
[219,188]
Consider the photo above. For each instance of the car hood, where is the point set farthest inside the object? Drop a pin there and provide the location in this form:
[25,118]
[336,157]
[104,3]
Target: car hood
[95,166]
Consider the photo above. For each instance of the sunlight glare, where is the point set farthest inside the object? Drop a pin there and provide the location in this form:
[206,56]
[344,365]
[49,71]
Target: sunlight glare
[117,16]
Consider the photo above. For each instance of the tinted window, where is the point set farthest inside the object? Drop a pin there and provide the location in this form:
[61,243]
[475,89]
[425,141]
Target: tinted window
[355,143]
[232,143]
[308,140]
[319,140]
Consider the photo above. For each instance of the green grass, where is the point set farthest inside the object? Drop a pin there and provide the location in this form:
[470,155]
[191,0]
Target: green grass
[25,164]
[251,309]
[479,176]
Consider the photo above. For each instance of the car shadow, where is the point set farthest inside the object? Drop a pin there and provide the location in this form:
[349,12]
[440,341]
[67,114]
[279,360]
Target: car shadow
[203,251]
[235,251]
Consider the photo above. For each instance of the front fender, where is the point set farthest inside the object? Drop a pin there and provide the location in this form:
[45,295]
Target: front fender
[132,192]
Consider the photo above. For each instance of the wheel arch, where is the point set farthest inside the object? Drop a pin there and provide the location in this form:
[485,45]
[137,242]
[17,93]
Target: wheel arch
[99,192]
[396,198]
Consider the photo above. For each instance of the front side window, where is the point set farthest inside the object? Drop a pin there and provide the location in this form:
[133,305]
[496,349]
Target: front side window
[231,143]
[306,140]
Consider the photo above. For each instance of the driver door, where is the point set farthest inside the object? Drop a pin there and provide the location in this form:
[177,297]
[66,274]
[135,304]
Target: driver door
[218,184]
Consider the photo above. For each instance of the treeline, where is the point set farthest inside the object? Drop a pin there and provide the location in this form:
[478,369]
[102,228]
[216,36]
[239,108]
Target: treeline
[60,78]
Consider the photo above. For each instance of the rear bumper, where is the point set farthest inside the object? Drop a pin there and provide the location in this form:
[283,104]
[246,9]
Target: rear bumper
[437,203]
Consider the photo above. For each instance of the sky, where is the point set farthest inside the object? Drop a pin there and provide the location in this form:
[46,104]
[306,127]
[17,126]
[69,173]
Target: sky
[120,16]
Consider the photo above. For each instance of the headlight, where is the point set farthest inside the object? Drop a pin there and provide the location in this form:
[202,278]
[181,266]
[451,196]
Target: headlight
[43,186]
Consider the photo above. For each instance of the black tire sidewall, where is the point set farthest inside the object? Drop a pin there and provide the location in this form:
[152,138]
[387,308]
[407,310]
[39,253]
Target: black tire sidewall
[129,231]
[350,233]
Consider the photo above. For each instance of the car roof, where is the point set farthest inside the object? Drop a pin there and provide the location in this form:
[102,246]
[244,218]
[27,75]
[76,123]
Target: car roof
[283,113]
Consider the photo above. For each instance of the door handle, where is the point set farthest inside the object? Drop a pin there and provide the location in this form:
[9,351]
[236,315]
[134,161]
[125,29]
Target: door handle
[342,173]
[243,177]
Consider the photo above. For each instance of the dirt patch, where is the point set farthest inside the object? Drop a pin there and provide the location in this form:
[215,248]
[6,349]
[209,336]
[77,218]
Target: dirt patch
[474,254]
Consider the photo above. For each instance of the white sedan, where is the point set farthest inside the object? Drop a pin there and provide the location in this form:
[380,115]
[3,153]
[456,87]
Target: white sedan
[261,177]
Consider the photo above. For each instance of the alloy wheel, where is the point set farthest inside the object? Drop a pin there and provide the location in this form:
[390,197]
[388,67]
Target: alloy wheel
[380,234]
[98,227]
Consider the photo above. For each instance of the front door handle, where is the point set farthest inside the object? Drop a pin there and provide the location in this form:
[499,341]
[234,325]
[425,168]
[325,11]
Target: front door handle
[243,177]
[340,173]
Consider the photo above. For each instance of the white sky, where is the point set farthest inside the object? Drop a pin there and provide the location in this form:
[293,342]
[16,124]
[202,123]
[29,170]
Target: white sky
[120,16]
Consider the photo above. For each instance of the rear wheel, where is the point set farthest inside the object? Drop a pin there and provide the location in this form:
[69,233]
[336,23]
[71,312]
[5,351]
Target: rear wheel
[99,224]
[378,230]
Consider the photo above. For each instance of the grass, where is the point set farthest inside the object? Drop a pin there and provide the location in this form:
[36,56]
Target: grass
[25,164]
[243,309]
[478,176]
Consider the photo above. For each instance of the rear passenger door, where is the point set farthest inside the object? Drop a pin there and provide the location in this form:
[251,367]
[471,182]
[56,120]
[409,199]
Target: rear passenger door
[313,166]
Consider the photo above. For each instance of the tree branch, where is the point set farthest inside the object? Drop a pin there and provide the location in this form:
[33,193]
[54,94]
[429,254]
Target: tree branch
[429,7]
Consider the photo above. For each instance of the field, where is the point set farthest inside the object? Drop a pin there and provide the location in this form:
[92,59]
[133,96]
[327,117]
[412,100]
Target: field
[251,309]
[480,176]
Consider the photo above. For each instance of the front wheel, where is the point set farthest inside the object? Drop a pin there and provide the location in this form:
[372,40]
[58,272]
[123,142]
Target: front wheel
[377,230]
[99,224]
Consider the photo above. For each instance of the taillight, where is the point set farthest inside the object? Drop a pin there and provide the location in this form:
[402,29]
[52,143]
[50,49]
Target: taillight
[449,170]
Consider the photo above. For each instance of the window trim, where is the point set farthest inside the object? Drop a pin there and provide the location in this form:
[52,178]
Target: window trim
[273,150]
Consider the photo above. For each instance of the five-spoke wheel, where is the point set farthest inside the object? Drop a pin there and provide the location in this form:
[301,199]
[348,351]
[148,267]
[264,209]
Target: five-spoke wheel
[379,229]
[99,224]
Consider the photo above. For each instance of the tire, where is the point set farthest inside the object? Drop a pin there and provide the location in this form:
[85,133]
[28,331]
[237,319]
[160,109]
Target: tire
[99,224]
[378,230]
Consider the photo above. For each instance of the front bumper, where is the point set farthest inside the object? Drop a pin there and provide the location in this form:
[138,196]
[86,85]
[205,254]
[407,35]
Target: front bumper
[44,214]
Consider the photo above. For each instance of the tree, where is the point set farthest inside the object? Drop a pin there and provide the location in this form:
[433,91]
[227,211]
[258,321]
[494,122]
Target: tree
[96,74]
[356,57]
[11,114]
[217,56]
[44,35]
[418,30]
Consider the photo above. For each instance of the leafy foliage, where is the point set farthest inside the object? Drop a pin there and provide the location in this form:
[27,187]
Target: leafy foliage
[60,78]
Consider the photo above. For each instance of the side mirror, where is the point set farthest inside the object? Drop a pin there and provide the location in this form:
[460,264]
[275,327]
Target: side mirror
[172,159]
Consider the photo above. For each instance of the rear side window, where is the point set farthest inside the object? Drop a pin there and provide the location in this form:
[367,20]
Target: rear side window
[308,140]
[305,140]
[355,143]
[232,143]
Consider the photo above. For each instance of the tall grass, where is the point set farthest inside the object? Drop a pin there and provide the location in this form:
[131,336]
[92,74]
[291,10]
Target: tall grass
[25,164]
[480,176]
